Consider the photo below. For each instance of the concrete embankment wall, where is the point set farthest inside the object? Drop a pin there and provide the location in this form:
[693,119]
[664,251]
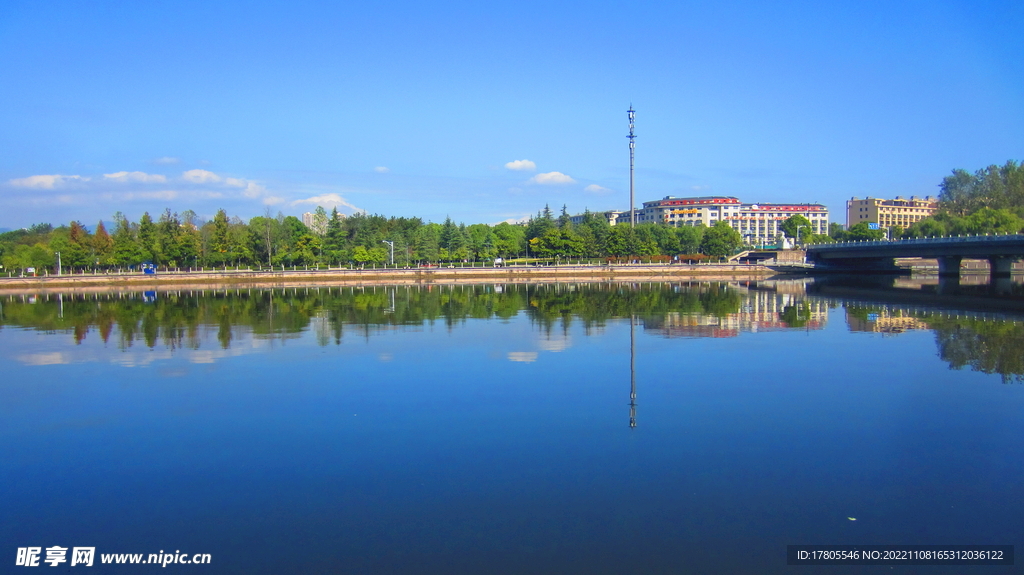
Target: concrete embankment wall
[514,274]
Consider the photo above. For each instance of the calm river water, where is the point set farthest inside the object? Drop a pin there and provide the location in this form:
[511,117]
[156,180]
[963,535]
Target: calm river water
[585,428]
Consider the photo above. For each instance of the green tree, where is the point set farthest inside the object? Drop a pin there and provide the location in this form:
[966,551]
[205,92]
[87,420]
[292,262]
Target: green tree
[560,243]
[797,226]
[836,231]
[989,221]
[564,220]
[720,240]
[509,239]
[995,187]
[220,241]
[861,232]
[690,238]
[146,237]
[320,221]
[427,242]
[168,239]
[103,245]
[334,239]
[360,255]
[539,225]
[78,251]
[127,251]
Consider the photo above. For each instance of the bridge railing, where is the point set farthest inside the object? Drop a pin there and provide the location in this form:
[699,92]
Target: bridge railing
[986,238]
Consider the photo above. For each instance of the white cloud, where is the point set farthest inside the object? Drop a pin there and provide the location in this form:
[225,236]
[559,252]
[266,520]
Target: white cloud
[253,190]
[596,189]
[521,165]
[166,161]
[522,356]
[136,186]
[552,178]
[201,177]
[45,182]
[382,169]
[158,195]
[699,188]
[45,358]
[327,201]
[135,177]
[555,345]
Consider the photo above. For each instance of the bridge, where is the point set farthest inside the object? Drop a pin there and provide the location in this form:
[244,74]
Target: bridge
[1000,251]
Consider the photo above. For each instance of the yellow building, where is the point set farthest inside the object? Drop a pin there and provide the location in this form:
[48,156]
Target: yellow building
[888,213]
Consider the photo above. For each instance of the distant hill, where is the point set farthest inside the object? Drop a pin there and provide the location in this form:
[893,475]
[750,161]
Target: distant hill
[109,225]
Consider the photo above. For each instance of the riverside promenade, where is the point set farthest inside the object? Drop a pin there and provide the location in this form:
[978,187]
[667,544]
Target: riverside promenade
[391,276]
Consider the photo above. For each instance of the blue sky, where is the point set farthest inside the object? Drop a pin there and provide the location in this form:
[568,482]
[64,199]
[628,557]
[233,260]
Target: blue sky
[413,108]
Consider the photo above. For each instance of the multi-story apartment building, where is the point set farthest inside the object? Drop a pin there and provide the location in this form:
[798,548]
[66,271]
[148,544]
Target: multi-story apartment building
[613,217]
[888,213]
[758,223]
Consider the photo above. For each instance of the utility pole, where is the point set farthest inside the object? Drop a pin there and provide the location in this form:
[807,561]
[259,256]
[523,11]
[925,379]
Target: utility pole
[632,144]
[391,245]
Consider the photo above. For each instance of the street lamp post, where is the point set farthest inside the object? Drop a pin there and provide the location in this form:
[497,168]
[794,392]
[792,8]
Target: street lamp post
[58,262]
[391,246]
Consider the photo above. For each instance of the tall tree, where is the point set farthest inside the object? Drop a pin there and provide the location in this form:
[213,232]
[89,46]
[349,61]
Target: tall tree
[147,237]
[103,245]
[220,241]
[126,247]
[564,221]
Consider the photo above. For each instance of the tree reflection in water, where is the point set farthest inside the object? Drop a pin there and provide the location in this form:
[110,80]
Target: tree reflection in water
[185,319]
[986,346]
[990,345]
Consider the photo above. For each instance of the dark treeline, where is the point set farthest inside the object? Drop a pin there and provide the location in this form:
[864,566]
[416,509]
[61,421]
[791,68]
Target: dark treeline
[182,240]
[179,319]
[989,201]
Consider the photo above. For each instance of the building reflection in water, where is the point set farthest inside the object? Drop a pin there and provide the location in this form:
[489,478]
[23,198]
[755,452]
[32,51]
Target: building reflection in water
[764,307]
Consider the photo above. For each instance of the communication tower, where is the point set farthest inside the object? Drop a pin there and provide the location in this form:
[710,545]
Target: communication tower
[632,144]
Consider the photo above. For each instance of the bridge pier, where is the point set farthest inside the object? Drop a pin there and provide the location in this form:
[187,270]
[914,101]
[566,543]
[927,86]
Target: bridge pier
[949,266]
[1001,266]
[949,285]
[1000,272]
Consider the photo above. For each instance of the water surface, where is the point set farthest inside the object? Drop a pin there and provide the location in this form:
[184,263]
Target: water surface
[590,428]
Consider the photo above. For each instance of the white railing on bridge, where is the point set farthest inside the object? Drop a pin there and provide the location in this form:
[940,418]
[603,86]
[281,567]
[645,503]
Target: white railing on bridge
[986,238]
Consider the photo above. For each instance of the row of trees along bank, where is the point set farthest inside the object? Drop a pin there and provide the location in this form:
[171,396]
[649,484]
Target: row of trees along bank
[185,241]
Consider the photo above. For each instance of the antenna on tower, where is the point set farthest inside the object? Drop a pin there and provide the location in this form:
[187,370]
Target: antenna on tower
[632,144]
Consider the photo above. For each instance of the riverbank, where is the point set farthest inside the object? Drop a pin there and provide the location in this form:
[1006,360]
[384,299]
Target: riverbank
[514,274]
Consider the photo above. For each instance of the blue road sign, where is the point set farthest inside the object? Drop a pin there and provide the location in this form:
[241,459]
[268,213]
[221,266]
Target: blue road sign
[872,226]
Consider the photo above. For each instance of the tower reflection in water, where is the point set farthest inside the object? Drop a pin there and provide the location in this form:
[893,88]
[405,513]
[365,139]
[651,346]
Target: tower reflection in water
[632,371]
